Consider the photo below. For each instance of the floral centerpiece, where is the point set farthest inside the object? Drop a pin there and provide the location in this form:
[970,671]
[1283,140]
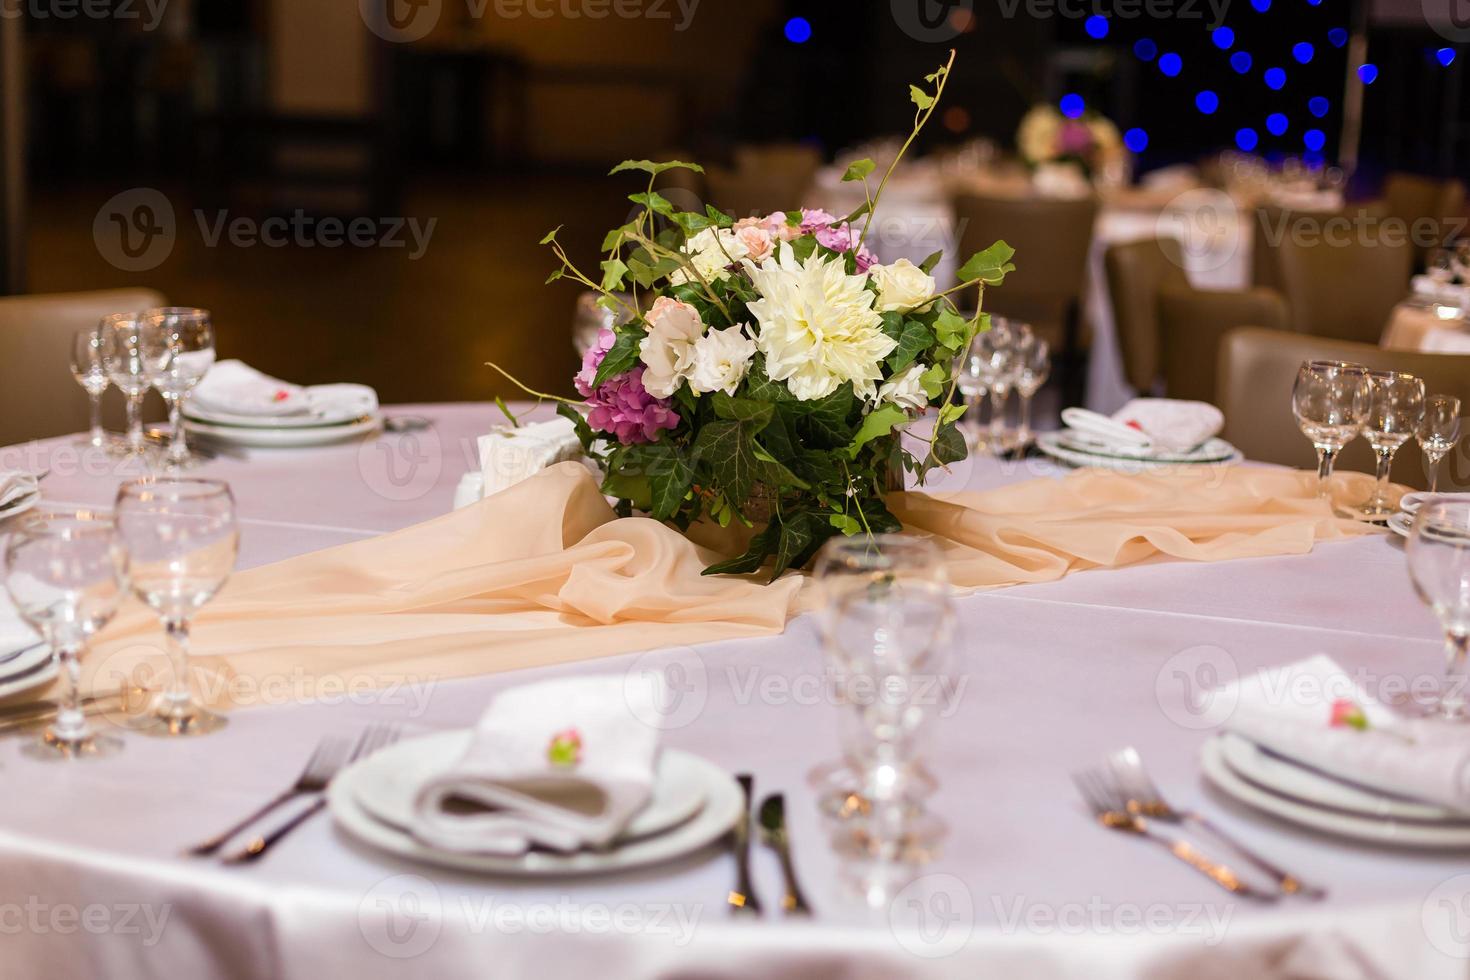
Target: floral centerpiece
[1090,142]
[766,366]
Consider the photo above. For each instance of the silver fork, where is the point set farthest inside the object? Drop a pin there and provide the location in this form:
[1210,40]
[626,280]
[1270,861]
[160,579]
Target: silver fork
[376,737]
[1111,810]
[325,760]
[1143,799]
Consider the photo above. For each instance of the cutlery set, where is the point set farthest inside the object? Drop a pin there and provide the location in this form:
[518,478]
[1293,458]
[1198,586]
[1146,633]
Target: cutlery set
[771,821]
[1122,797]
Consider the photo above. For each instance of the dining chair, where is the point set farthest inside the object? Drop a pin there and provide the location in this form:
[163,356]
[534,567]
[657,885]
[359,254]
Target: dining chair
[1346,287]
[1272,225]
[1258,368]
[1418,200]
[1052,238]
[38,396]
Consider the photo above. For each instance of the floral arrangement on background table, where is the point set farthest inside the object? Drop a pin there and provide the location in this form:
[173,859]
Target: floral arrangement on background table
[766,366]
[1090,142]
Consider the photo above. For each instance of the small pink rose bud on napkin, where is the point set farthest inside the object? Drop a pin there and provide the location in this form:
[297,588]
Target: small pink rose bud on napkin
[565,749]
[1347,714]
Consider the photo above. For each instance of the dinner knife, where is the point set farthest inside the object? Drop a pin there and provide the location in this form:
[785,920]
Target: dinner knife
[742,899]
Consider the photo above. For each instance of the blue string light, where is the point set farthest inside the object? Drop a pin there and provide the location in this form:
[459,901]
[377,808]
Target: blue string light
[1319,106]
[1096,26]
[1277,123]
[1247,139]
[798,30]
[1276,78]
[1241,62]
[1136,140]
[1368,74]
[1207,102]
[1314,139]
[1146,50]
[1445,56]
[1338,36]
[1171,64]
[1303,52]
[1261,5]
[1224,38]
[1073,106]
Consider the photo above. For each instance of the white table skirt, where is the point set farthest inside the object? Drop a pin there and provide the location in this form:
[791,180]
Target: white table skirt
[1046,679]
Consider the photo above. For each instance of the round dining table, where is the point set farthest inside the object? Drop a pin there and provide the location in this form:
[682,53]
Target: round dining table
[1043,680]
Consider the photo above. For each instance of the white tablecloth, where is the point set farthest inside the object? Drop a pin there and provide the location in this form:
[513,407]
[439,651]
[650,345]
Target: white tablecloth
[1433,329]
[1046,679]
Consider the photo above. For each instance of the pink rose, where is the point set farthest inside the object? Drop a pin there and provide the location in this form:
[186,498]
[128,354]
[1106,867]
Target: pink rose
[757,242]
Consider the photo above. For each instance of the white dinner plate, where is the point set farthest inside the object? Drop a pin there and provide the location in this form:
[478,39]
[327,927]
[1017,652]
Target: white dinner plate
[1287,778]
[31,669]
[20,505]
[723,804]
[306,420]
[1062,447]
[1401,523]
[1410,503]
[286,437]
[387,783]
[1377,830]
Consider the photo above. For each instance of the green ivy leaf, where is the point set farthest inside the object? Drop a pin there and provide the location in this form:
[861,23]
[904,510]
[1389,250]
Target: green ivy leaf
[757,414]
[554,277]
[989,266]
[928,264]
[859,170]
[845,523]
[913,341]
[775,473]
[952,413]
[951,329]
[934,380]
[654,201]
[876,425]
[691,222]
[717,217]
[579,424]
[823,422]
[670,477]
[755,556]
[649,167]
[613,271]
[622,357]
[551,235]
[726,447]
[920,98]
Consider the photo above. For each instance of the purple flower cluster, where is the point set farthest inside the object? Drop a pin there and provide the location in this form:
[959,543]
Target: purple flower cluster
[839,237]
[620,405]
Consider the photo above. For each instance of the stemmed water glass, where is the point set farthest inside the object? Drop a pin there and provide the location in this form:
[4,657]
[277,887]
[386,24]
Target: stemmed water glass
[886,622]
[124,360]
[91,374]
[1438,552]
[999,353]
[66,574]
[1438,432]
[1395,409]
[178,348]
[182,537]
[1035,369]
[1330,400]
[973,381]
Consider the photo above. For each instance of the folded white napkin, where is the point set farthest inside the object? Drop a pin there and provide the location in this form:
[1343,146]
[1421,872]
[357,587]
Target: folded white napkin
[1445,342]
[1410,503]
[1149,424]
[15,484]
[15,634]
[509,455]
[1444,292]
[508,793]
[235,388]
[1289,710]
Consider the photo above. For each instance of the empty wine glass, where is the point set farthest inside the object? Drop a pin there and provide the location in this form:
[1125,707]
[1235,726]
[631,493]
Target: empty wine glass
[1438,432]
[1396,406]
[1330,400]
[1000,351]
[178,348]
[182,538]
[1035,369]
[974,384]
[123,357]
[1438,553]
[91,374]
[66,574]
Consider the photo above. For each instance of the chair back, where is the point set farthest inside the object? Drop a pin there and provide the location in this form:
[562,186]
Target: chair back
[38,395]
[1136,272]
[1258,368]
[1345,286]
[1191,324]
[1424,201]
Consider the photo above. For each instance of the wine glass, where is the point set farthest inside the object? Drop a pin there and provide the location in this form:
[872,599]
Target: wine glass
[1035,369]
[178,348]
[973,382]
[182,538]
[1438,432]
[886,622]
[1396,406]
[1330,400]
[123,358]
[88,370]
[1000,351]
[66,574]
[1438,553]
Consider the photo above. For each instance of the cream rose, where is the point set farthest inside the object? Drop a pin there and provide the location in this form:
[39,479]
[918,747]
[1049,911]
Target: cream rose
[721,360]
[668,348]
[904,390]
[902,286]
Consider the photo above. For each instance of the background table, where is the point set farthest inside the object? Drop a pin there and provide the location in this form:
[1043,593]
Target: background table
[1046,679]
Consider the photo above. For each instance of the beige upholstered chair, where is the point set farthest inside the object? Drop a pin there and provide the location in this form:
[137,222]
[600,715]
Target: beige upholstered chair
[38,396]
[1345,289]
[1273,225]
[1258,367]
[1052,238]
[1415,200]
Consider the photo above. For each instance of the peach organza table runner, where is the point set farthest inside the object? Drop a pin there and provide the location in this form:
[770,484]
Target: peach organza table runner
[544,573]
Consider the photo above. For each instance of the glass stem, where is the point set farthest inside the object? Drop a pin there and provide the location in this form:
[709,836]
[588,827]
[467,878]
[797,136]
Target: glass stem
[135,422]
[98,438]
[1380,486]
[176,698]
[1434,461]
[1452,701]
[71,724]
[998,398]
[1326,456]
[178,449]
[1023,429]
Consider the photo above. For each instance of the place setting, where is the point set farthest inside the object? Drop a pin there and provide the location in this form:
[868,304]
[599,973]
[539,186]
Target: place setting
[1146,434]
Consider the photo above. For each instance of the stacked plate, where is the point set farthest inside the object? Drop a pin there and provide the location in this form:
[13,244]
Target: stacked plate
[1309,797]
[325,423]
[1076,449]
[1409,505]
[19,492]
[25,662]
[694,803]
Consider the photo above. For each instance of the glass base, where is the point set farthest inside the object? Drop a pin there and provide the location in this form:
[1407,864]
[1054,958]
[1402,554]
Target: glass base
[842,796]
[178,721]
[50,748]
[916,839]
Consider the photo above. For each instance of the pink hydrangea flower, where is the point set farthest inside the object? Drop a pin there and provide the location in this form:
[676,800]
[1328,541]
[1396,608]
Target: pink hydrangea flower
[1075,139]
[620,405]
[843,238]
[813,219]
